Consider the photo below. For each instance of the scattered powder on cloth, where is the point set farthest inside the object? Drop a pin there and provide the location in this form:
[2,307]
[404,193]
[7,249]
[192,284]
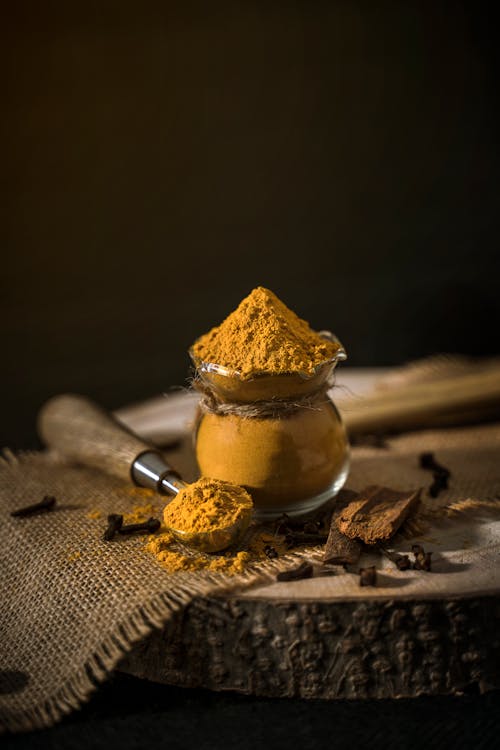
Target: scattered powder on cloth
[94,514]
[175,557]
[264,335]
[140,513]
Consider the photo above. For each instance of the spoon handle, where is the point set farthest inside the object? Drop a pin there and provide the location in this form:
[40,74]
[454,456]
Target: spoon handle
[82,432]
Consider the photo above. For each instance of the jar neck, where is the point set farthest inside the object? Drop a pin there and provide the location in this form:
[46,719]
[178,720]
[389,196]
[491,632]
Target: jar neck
[212,403]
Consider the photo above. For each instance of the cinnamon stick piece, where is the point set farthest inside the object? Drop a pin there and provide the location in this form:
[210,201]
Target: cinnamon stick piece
[339,549]
[376,514]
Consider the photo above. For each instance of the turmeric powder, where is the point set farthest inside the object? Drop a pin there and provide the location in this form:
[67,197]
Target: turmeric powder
[208,505]
[174,557]
[140,513]
[264,335]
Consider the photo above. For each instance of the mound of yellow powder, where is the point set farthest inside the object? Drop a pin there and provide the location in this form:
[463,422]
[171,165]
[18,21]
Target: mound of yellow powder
[208,505]
[264,335]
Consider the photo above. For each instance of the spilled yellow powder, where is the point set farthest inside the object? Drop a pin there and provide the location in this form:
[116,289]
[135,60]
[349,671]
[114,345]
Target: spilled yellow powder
[208,505]
[261,541]
[140,513]
[264,335]
[174,557]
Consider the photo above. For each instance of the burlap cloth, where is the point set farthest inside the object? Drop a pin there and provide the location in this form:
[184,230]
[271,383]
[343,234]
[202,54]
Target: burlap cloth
[72,605]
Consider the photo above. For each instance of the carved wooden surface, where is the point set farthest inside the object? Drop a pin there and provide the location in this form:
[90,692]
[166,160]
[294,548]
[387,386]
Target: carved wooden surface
[357,649]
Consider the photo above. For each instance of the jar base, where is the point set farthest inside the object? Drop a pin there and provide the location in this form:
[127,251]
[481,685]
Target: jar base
[306,506]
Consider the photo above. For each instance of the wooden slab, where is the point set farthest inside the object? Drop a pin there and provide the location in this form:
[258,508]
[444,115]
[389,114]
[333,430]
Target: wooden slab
[327,637]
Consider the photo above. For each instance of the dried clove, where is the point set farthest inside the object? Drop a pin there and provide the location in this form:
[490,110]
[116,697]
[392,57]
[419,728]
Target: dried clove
[440,473]
[402,562]
[47,503]
[284,524]
[422,558]
[147,527]
[417,549]
[439,484]
[270,552]
[427,461]
[426,563]
[115,522]
[304,570]
[368,576]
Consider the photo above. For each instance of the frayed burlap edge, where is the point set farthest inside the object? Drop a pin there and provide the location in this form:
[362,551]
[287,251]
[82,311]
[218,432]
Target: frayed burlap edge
[154,614]
[100,665]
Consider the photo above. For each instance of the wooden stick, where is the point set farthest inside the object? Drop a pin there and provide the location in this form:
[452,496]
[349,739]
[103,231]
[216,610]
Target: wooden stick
[419,404]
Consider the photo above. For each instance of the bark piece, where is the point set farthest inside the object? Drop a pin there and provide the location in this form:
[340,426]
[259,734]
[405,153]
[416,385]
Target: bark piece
[339,549]
[376,514]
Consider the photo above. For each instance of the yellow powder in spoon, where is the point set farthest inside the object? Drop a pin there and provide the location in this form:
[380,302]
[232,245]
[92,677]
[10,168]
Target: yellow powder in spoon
[208,505]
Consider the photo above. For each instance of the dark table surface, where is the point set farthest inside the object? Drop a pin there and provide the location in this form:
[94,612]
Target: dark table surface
[131,713]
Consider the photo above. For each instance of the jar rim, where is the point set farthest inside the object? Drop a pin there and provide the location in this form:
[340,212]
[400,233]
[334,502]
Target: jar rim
[204,367]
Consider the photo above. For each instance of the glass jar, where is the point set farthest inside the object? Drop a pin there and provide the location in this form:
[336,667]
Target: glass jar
[278,435]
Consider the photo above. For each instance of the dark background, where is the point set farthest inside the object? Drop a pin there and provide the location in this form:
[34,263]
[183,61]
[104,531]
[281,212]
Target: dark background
[160,160]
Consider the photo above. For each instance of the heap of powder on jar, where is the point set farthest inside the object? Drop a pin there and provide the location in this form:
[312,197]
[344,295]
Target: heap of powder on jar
[208,505]
[264,335]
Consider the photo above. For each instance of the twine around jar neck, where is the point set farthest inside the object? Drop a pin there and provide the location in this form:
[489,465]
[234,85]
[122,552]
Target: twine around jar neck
[276,408]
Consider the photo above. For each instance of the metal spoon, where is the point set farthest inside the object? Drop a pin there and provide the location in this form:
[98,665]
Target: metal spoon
[83,432]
